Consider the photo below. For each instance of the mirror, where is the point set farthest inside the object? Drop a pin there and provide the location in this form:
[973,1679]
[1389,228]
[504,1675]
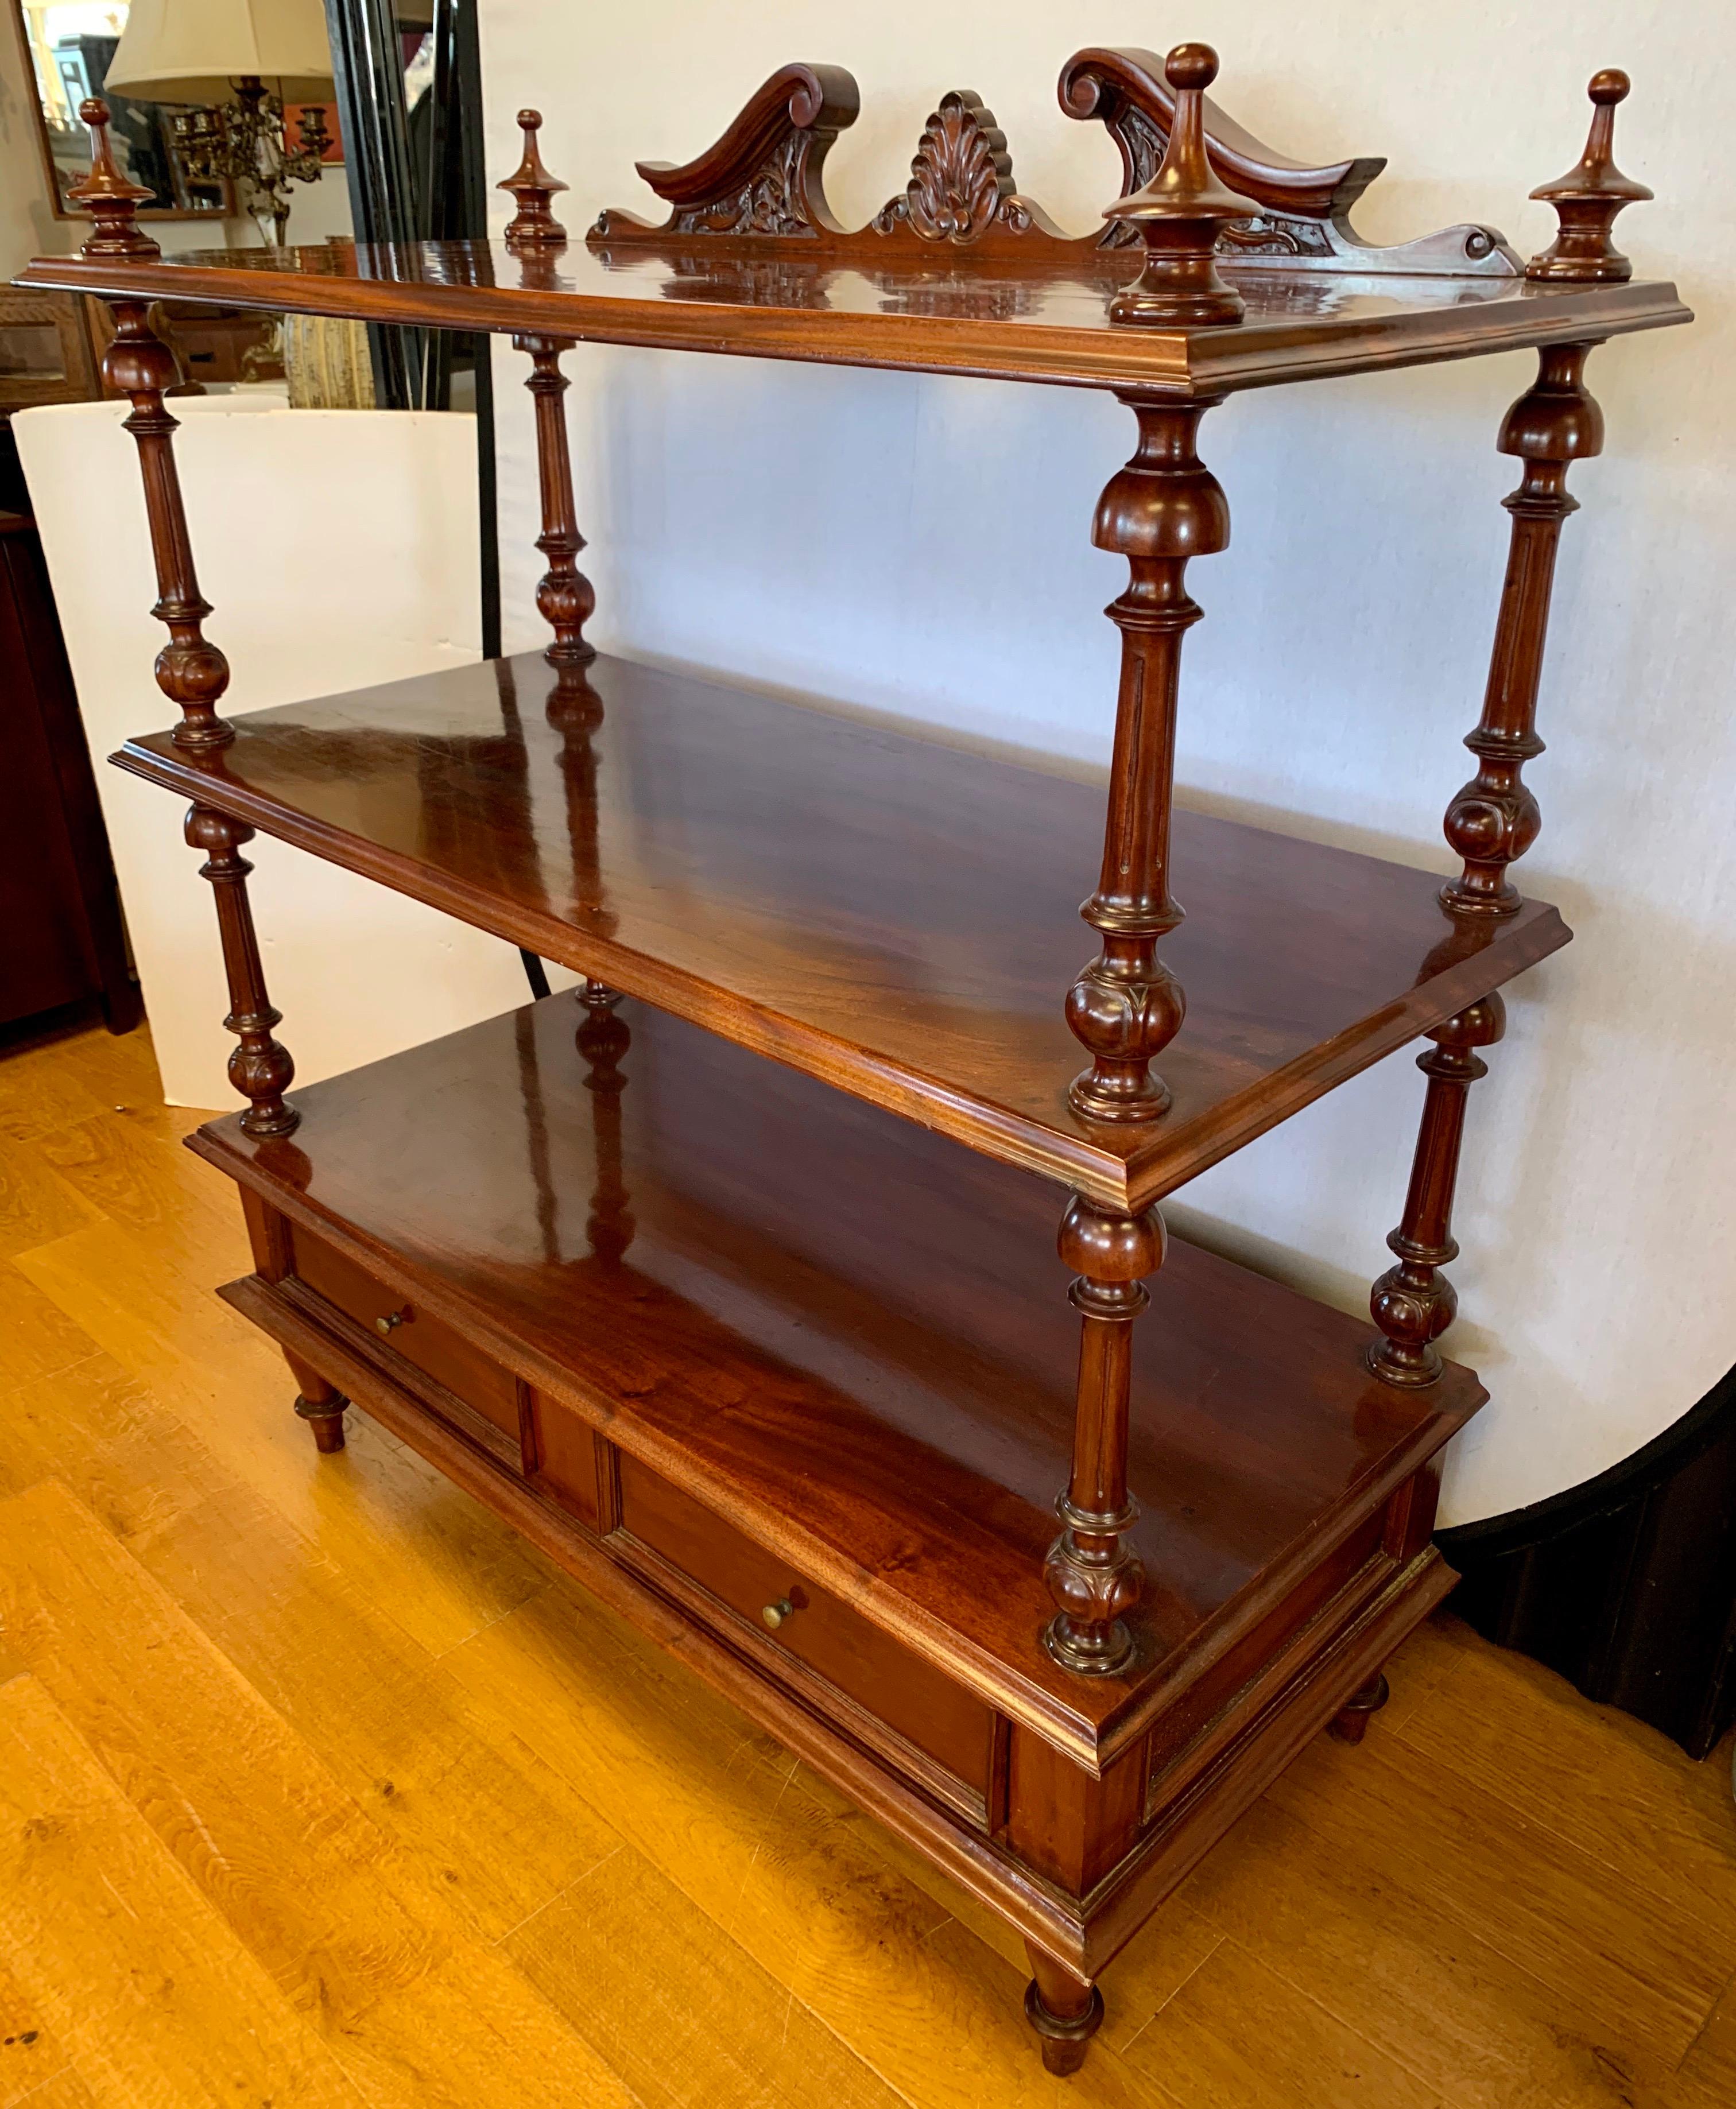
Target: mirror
[69,45]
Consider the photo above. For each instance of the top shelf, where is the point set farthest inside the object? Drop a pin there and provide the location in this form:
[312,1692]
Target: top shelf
[937,311]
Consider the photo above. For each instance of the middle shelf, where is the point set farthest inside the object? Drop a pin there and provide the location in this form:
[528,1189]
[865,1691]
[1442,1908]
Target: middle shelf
[895,916]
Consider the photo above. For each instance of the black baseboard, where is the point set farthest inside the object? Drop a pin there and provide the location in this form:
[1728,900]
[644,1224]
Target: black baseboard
[1625,1585]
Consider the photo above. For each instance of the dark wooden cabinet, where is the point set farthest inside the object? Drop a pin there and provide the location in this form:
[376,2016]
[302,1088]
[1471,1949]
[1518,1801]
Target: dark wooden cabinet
[740,1283]
[61,916]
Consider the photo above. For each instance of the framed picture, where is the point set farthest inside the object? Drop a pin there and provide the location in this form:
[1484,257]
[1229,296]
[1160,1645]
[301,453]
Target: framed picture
[68,50]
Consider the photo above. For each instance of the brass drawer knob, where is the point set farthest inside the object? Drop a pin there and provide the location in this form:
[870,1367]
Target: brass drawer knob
[775,1613]
[392,1321]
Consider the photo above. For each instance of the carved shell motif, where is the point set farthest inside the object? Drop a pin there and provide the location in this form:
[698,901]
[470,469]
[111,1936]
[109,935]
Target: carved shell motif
[962,178]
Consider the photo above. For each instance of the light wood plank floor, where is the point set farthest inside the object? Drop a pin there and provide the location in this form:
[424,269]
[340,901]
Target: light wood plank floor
[318,1787]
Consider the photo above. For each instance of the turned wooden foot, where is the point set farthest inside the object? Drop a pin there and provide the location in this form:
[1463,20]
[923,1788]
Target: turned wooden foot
[320,1404]
[1350,1724]
[1065,2011]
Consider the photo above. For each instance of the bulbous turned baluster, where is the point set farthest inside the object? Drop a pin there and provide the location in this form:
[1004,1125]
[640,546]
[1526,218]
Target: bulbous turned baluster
[1493,820]
[1092,1575]
[1179,214]
[1587,199]
[260,1068]
[1125,1006]
[106,194]
[1414,1302]
[190,669]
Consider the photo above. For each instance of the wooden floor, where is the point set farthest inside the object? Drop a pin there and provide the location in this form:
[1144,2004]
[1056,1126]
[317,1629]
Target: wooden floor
[318,1787]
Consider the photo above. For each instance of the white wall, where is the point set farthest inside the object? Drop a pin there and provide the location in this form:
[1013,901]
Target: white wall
[338,548]
[921,546]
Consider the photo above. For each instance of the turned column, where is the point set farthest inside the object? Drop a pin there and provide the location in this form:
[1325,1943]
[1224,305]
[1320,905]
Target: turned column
[564,597]
[260,1068]
[190,669]
[1414,1302]
[1125,1006]
[536,237]
[1493,820]
[1092,1575]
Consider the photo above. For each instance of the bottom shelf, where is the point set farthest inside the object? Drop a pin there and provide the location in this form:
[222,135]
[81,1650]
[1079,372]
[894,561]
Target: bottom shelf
[849,1336]
[790,1383]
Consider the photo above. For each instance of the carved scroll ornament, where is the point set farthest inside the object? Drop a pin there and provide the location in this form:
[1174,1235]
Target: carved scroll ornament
[763,177]
[761,183]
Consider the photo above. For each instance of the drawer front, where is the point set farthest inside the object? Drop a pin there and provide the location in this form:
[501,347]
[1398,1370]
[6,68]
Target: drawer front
[910,1695]
[433,1347]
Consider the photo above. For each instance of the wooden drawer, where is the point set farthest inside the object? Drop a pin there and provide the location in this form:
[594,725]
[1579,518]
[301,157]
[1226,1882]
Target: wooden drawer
[433,1347]
[951,1725]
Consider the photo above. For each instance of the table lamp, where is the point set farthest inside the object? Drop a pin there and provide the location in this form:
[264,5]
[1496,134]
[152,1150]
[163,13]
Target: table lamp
[235,63]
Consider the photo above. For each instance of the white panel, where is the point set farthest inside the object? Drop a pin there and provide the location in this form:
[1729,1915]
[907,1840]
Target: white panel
[338,548]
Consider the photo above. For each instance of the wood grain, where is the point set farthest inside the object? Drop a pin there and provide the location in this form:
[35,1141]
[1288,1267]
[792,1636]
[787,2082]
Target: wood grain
[357,1941]
[156,2000]
[733,1352]
[1049,324]
[897,917]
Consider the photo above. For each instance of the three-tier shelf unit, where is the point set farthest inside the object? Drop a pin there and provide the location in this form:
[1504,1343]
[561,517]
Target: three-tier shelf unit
[731,1282]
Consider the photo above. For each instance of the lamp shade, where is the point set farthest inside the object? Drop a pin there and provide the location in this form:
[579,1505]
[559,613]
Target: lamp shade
[195,50]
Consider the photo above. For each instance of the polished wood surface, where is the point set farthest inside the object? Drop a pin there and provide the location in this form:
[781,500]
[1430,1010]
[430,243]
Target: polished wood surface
[1494,819]
[1048,323]
[897,916]
[1163,508]
[532,189]
[1180,215]
[1588,198]
[260,1066]
[884,1391]
[191,671]
[1413,1304]
[1507,1897]
[762,182]
[107,196]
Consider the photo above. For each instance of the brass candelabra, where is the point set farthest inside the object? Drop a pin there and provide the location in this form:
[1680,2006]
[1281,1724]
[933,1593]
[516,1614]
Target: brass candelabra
[243,143]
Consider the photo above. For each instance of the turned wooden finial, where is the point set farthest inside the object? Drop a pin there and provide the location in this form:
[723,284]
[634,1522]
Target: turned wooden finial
[1587,199]
[106,194]
[1179,213]
[532,187]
